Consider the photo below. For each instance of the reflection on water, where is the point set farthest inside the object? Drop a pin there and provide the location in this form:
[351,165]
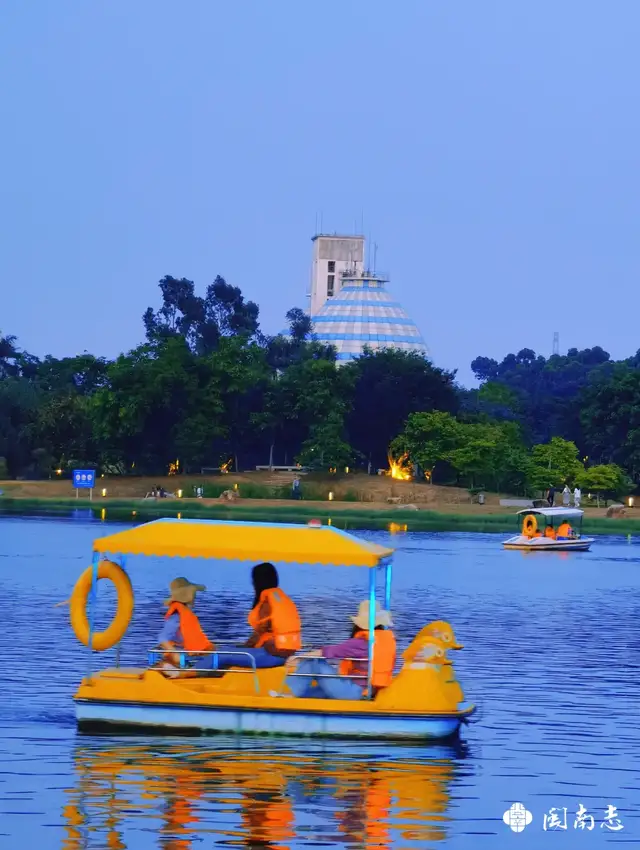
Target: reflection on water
[255,794]
[551,649]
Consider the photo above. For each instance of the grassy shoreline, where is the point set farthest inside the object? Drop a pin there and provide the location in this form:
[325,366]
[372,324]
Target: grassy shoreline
[344,514]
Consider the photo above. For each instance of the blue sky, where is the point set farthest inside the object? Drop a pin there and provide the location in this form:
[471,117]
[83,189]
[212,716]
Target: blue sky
[491,147]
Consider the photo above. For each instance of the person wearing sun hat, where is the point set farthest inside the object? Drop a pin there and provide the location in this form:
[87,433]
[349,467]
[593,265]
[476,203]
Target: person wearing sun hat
[182,630]
[350,680]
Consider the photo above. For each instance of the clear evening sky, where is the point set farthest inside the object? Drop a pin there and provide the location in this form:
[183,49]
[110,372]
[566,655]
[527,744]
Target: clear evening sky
[491,146]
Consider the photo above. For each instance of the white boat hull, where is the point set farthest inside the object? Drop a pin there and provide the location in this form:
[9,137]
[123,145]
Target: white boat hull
[91,713]
[547,544]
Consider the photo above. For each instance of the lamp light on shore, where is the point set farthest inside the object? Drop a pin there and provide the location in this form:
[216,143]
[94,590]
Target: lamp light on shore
[179,494]
[104,491]
[630,501]
[331,496]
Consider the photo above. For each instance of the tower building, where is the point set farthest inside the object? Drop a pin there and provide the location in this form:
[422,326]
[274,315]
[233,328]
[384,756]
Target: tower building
[350,305]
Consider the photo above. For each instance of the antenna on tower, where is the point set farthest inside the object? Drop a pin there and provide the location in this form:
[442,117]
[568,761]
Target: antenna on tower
[375,254]
[556,342]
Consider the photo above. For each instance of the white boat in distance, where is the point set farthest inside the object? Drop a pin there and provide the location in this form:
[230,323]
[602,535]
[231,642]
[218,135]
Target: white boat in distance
[534,538]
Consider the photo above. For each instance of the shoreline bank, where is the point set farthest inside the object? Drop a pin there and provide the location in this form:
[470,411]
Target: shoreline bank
[396,519]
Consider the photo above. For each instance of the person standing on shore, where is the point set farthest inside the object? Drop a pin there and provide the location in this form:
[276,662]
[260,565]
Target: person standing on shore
[566,496]
[577,497]
[551,496]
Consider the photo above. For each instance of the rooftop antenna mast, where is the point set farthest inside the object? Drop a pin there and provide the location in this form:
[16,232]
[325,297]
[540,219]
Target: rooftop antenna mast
[375,254]
[556,342]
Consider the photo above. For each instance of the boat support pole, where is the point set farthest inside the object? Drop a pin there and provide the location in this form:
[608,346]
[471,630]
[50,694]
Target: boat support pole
[123,564]
[92,605]
[372,626]
[387,586]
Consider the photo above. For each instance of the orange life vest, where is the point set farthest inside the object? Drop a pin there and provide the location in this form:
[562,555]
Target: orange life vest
[193,638]
[384,659]
[284,620]
[564,530]
[549,532]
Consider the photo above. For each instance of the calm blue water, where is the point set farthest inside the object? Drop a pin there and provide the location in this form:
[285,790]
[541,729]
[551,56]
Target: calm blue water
[552,655]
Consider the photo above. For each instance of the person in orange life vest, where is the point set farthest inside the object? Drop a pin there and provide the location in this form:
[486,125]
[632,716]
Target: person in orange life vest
[182,630]
[275,622]
[565,532]
[350,682]
[549,532]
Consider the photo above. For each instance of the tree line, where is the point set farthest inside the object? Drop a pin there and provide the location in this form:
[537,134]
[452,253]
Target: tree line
[207,387]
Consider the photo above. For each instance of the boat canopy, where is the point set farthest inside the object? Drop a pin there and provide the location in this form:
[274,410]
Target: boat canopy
[244,541]
[553,512]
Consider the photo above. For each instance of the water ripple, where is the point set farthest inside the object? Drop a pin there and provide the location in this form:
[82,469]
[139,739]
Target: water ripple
[552,656]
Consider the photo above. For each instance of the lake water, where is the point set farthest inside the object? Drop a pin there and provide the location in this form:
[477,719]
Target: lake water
[552,657]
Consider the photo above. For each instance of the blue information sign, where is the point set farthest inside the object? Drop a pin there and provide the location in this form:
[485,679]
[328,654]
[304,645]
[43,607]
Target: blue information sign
[84,478]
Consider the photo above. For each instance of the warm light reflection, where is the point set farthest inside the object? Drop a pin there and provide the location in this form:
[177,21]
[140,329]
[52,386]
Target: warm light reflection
[121,791]
[225,466]
[395,528]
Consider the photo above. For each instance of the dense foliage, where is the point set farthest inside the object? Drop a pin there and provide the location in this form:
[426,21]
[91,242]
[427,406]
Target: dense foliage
[207,387]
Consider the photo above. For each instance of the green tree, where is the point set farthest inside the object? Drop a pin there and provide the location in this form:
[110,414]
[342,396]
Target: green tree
[429,438]
[64,429]
[19,401]
[300,399]
[606,480]
[554,464]
[492,455]
[390,385]
[157,396]
[611,418]
[326,447]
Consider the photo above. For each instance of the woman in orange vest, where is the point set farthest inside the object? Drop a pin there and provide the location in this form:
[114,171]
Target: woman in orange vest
[182,630]
[275,622]
[550,532]
[350,681]
[565,532]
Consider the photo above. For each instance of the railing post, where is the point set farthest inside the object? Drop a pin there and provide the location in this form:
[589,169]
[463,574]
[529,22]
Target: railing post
[372,627]
[387,586]
[92,605]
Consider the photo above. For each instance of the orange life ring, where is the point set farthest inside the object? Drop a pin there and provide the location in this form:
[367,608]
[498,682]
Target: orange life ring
[530,525]
[114,633]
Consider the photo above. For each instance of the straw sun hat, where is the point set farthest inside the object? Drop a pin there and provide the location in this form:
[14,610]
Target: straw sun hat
[183,590]
[361,620]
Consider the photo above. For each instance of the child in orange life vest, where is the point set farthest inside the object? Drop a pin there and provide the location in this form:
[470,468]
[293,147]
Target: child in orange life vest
[350,681]
[275,622]
[182,630]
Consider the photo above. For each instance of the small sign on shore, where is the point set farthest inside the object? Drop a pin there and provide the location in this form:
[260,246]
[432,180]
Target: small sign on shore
[84,479]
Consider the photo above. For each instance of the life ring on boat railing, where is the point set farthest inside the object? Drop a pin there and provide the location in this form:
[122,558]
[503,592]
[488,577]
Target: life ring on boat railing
[114,633]
[530,525]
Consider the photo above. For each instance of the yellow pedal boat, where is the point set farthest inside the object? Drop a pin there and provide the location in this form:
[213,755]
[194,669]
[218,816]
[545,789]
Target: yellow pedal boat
[423,701]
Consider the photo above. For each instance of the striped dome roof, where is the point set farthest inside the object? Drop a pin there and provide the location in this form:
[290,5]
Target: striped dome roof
[363,314]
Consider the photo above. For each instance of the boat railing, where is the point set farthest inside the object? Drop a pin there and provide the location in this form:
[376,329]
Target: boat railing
[329,675]
[155,655]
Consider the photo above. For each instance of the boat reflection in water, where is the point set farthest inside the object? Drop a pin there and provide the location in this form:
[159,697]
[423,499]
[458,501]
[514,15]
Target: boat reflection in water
[256,794]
